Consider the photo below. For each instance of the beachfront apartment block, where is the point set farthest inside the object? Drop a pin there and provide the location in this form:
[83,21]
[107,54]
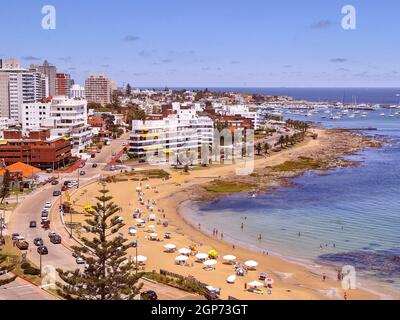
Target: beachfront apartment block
[63,84]
[98,89]
[166,137]
[68,117]
[33,114]
[77,91]
[18,86]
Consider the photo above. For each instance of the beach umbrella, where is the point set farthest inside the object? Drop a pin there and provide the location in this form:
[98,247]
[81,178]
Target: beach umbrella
[255,284]
[153,235]
[137,210]
[251,263]
[151,208]
[140,220]
[211,262]
[170,246]
[213,253]
[184,251]
[202,256]
[138,189]
[269,281]
[229,257]
[140,259]
[181,258]
[152,217]
[231,279]
[132,231]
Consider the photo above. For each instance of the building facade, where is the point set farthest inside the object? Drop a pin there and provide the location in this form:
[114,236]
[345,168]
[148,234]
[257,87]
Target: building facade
[50,72]
[98,89]
[63,84]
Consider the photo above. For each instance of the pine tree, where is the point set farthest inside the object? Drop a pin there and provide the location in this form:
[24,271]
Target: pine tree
[108,274]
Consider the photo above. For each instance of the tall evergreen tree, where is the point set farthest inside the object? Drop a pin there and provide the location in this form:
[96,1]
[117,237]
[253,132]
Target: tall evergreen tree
[109,275]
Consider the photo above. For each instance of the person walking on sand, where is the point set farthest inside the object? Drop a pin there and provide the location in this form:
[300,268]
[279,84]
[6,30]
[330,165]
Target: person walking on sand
[233,247]
[199,226]
[259,237]
[324,277]
[222,236]
[242,226]
[345,295]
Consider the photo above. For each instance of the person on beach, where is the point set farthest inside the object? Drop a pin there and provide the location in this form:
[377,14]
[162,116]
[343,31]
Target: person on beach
[299,234]
[233,247]
[259,237]
[345,295]
[199,226]
[324,277]
[242,226]
[222,236]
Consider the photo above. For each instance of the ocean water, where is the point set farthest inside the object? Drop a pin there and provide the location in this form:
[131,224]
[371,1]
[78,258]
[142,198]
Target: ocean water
[345,95]
[344,216]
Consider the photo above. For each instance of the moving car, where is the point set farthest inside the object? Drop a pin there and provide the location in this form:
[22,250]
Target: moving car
[22,245]
[42,250]
[56,239]
[56,193]
[94,165]
[32,224]
[52,234]
[38,242]
[54,182]
[47,205]
[82,173]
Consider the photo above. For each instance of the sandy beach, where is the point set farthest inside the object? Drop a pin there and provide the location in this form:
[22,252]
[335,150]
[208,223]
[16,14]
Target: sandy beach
[292,281]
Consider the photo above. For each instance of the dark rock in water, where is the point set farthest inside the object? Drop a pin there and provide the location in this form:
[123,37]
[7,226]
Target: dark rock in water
[382,263]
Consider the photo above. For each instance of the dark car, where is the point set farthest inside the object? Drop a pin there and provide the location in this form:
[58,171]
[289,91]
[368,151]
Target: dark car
[82,173]
[148,295]
[14,236]
[94,165]
[42,250]
[38,242]
[66,182]
[32,224]
[56,239]
[56,193]
[54,182]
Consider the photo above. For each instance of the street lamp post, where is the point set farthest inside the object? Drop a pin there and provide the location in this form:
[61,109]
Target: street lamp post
[136,257]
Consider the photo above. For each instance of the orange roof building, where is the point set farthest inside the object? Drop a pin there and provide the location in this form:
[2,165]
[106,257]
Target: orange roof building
[26,170]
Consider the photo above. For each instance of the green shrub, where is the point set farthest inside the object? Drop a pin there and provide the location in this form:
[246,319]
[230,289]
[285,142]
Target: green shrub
[25,265]
[32,271]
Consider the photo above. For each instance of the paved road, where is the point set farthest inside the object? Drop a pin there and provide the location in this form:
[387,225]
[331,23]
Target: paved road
[31,206]
[165,292]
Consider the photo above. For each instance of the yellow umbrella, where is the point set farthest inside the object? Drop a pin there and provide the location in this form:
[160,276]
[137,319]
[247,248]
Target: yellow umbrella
[213,253]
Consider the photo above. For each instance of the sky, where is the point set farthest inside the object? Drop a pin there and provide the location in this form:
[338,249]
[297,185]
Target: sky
[210,43]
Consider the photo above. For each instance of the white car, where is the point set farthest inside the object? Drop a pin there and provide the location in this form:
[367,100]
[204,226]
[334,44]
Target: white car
[80,260]
[47,205]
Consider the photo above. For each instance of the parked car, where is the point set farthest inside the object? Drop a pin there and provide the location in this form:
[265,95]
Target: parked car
[80,260]
[94,165]
[32,224]
[66,182]
[38,242]
[42,250]
[56,193]
[14,236]
[55,182]
[82,173]
[82,164]
[148,295]
[22,245]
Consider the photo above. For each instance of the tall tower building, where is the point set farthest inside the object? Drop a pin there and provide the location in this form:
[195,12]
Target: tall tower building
[63,84]
[98,89]
[50,72]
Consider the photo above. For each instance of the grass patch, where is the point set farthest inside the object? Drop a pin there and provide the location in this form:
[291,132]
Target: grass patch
[303,163]
[152,173]
[220,186]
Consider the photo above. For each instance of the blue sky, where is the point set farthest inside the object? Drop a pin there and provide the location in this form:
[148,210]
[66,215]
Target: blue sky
[220,43]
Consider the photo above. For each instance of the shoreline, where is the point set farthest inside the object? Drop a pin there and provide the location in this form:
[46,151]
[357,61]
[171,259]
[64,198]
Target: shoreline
[292,281]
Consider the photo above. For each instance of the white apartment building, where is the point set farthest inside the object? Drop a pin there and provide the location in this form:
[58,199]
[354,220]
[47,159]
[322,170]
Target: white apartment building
[68,117]
[240,110]
[18,86]
[33,115]
[77,91]
[177,133]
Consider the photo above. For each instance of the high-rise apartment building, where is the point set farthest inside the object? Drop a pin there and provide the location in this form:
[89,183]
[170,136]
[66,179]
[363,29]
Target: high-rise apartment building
[77,91]
[50,72]
[98,89]
[63,84]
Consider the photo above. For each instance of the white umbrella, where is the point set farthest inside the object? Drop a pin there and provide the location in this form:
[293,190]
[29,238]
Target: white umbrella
[229,257]
[231,279]
[210,262]
[184,251]
[137,210]
[251,263]
[202,256]
[140,220]
[140,258]
[255,284]
[181,258]
[138,189]
[153,235]
[132,231]
[151,226]
[152,217]
[170,246]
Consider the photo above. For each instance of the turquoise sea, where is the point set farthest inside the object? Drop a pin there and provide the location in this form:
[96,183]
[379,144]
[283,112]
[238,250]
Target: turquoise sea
[347,216]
